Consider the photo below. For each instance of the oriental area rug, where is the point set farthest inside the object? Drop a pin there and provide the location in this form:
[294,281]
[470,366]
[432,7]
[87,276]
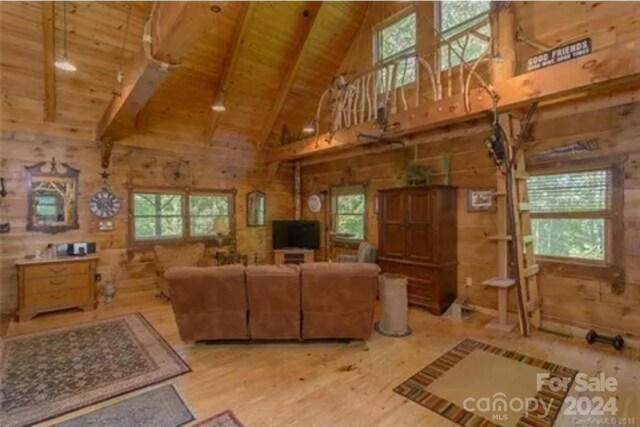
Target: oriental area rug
[476,384]
[161,407]
[49,373]
[224,419]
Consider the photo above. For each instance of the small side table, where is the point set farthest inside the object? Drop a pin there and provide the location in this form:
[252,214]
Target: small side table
[502,285]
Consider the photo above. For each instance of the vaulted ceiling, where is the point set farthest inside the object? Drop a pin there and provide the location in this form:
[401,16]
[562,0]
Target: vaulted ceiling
[272,60]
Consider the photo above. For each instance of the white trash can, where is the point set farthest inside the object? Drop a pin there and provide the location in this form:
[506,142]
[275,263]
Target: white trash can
[393,295]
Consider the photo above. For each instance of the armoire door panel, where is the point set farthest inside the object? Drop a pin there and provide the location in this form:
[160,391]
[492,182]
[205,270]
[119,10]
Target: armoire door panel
[393,208]
[419,207]
[392,240]
[418,243]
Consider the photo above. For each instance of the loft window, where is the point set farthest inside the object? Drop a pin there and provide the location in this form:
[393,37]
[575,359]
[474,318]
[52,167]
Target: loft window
[349,212]
[465,28]
[393,41]
[571,214]
[174,216]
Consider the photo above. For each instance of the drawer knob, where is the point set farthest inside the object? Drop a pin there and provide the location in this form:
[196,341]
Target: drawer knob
[57,270]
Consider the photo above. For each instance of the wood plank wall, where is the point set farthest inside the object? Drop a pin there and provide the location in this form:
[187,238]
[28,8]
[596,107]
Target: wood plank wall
[236,165]
[571,300]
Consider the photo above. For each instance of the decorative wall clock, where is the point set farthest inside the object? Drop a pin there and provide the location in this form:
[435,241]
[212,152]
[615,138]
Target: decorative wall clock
[314,203]
[105,203]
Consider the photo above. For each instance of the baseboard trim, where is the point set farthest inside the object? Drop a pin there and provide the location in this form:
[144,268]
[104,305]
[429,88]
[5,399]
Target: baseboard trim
[568,330]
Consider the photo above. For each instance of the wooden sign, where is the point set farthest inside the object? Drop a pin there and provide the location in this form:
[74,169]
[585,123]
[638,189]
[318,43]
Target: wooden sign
[560,54]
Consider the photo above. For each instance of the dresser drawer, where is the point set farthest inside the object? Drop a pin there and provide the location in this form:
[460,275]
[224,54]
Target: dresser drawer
[69,297]
[56,283]
[421,289]
[55,270]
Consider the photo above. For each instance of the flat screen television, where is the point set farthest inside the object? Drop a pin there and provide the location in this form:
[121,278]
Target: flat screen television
[296,234]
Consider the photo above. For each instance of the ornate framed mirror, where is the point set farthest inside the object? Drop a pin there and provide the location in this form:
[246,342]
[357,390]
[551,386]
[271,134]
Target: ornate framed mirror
[256,209]
[52,197]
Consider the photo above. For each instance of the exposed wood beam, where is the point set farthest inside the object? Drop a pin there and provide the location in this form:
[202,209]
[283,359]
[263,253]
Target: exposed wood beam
[239,35]
[477,127]
[48,38]
[617,65]
[174,27]
[303,39]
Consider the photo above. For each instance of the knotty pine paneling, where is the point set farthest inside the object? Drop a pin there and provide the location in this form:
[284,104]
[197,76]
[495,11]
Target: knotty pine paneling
[577,301]
[221,167]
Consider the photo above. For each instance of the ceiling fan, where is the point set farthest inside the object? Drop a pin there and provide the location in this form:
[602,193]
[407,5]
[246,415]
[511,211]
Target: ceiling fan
[382,122]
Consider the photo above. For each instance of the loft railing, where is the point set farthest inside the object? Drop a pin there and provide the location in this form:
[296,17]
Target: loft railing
[407,81]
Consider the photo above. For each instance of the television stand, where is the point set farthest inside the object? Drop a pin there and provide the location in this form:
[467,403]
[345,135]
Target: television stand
[293,256]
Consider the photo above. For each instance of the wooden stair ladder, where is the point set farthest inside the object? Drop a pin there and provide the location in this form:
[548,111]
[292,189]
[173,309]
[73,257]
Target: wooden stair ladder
[519,230]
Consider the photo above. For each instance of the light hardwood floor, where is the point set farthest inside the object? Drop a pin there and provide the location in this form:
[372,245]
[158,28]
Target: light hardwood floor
[340,384]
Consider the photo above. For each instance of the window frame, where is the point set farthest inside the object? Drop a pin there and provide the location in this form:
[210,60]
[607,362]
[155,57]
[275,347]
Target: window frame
[453,37]
[185,215]
[346,190]
[612,267]
[378,28]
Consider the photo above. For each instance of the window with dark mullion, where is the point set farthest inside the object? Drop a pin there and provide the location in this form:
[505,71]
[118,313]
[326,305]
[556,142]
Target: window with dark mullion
[571,214]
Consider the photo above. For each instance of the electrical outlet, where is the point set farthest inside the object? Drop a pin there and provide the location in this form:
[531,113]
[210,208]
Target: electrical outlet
[469,282]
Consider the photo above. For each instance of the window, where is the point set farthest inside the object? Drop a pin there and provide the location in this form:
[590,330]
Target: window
[571,214]
[157,216]
[209,215]
[180,215]
[465,27]
[349,209]
[392,42]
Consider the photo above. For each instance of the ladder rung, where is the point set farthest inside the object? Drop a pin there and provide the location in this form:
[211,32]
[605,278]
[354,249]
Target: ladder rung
[499,237]
[528,239]
[499,194]
[524,207]
[532,305]
[497,282]
[531,271]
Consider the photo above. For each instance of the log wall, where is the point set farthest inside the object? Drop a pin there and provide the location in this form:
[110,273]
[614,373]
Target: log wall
[232,166]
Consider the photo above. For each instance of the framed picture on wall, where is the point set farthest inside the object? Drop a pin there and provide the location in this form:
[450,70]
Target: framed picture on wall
[480,200]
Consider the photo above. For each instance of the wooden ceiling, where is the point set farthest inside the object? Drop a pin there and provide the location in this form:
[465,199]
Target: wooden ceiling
[272,59]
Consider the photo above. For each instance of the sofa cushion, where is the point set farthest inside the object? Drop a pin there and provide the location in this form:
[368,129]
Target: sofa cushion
[168,256]
[209,302]
[274,301]
[338,299]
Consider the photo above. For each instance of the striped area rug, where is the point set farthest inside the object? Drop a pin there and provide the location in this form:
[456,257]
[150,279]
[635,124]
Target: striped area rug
[422,387]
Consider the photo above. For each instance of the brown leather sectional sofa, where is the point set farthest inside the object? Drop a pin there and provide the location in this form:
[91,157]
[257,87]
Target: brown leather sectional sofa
[313,301]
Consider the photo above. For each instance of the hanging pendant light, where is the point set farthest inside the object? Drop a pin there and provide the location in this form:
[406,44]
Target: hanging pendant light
[309,127]
[64,64]
[218,102]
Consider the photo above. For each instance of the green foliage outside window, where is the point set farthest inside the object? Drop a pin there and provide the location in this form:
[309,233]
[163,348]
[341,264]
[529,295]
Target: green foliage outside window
[455,18]
[394,40]
[349,215]
[161,216]
[209,215]
[157,216]
[569,212]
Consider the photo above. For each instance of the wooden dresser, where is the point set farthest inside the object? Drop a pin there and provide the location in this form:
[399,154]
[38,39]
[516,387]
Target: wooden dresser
[418,238]
[55,284]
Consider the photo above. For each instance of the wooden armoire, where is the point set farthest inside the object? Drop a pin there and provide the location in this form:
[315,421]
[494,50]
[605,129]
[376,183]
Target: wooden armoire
[418,238]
